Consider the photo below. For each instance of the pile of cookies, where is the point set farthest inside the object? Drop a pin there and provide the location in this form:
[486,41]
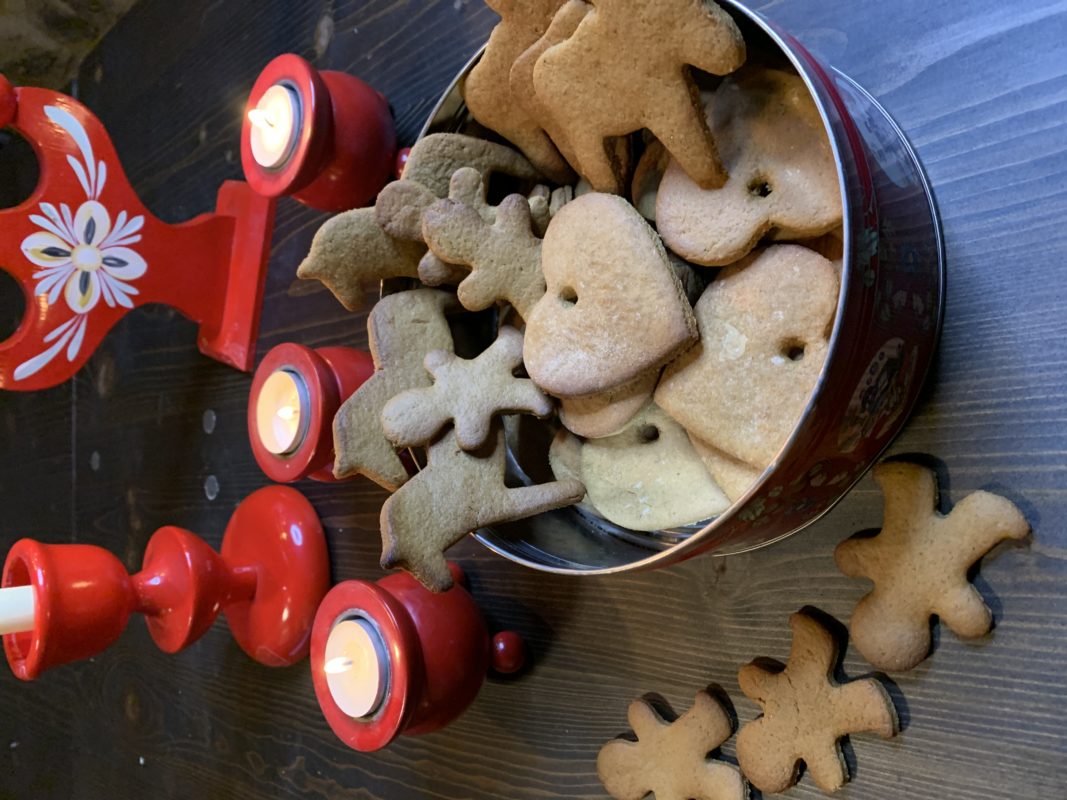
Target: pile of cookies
[663,263]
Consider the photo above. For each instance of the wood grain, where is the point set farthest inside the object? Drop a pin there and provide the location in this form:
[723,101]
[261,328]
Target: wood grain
[130,444]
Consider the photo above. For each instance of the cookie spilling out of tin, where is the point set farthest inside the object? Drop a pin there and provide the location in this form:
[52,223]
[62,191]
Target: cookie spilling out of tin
[644,227]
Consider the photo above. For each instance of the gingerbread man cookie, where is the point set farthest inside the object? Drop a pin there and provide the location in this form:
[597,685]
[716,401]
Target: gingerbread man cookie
[919,563]
[670,758]
[504,257]
[402,329]
[806,712]
[467,392]
[783,180]
[626,67]
[456,493]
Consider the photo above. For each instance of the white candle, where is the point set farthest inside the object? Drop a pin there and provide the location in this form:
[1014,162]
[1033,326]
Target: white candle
[276,121]
[356,667]
[282,412]
[17,609]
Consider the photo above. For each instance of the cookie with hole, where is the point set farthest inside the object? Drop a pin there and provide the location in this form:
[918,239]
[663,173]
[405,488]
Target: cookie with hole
[783,183]
[614,308]
[648,477]
[764,335]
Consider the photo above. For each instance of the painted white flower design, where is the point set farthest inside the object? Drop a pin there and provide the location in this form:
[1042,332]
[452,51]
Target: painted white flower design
[81,255]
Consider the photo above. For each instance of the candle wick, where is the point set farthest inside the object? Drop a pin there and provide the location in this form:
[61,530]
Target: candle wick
[261,118]
[337,665]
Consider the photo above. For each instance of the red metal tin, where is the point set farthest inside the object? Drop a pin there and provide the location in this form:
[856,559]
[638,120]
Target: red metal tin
[345,149]
[86,251]
[269,579]
[884,340]
[438,654]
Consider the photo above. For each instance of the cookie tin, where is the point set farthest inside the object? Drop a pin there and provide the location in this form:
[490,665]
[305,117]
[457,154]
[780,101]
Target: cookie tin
[884,340]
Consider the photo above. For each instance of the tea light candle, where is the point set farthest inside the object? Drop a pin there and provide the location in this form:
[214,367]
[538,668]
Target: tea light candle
[325,138]
[17,608]
[282,412]
[356,666]
[276,122]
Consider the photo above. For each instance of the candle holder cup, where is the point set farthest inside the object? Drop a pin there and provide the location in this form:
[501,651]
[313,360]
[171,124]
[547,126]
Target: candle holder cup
[268,579]
[314,384]
[431,655]
[343,144]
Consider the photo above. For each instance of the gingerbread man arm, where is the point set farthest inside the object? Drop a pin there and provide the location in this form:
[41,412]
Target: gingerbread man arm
[986,519]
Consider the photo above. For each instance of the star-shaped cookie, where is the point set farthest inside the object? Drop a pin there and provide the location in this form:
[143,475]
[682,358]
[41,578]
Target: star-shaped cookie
[919,563]
[670,758]
[806,712]
[469,392]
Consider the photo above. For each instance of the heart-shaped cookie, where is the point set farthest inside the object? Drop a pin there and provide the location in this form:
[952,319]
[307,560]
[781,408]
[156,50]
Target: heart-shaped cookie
[614,308]
[764,328]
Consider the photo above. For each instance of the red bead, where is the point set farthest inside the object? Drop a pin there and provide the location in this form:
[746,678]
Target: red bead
[509,652]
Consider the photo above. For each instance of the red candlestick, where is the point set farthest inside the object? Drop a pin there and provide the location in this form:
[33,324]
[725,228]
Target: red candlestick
[85,250]
[295,393]
[391,657]
[325,138]
[272,573]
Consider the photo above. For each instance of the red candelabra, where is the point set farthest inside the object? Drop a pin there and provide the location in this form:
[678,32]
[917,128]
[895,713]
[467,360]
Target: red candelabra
[65,602]
[391,657]
[86,251]
[295,394]
[325,138]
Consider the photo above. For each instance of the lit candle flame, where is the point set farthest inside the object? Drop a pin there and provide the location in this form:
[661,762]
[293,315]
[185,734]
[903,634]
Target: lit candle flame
[335,666]
[261,118]
[286,413]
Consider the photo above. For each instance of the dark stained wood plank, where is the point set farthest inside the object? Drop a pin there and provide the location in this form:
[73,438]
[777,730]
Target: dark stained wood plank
[135,441]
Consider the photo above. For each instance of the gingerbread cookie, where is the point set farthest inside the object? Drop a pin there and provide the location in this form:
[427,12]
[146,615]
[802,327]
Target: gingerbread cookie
[351,254]
[783,180]
[606,413]
[647,176]
[806,712]
[487,89]
[467,392]
[670,758]
[504,257]
[919,563]
[435,158]
[614,308]
[648,477]
[733,477]
[458,492]
[521,77]
[626,67]
[402,329]
[764,334]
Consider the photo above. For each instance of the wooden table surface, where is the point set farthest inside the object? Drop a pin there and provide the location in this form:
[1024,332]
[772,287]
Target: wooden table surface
[152,433]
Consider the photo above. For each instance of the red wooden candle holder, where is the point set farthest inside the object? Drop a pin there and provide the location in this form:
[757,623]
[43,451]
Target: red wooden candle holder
[325,138]
[86,251]
[391,657]
[295,393]
[270,577]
